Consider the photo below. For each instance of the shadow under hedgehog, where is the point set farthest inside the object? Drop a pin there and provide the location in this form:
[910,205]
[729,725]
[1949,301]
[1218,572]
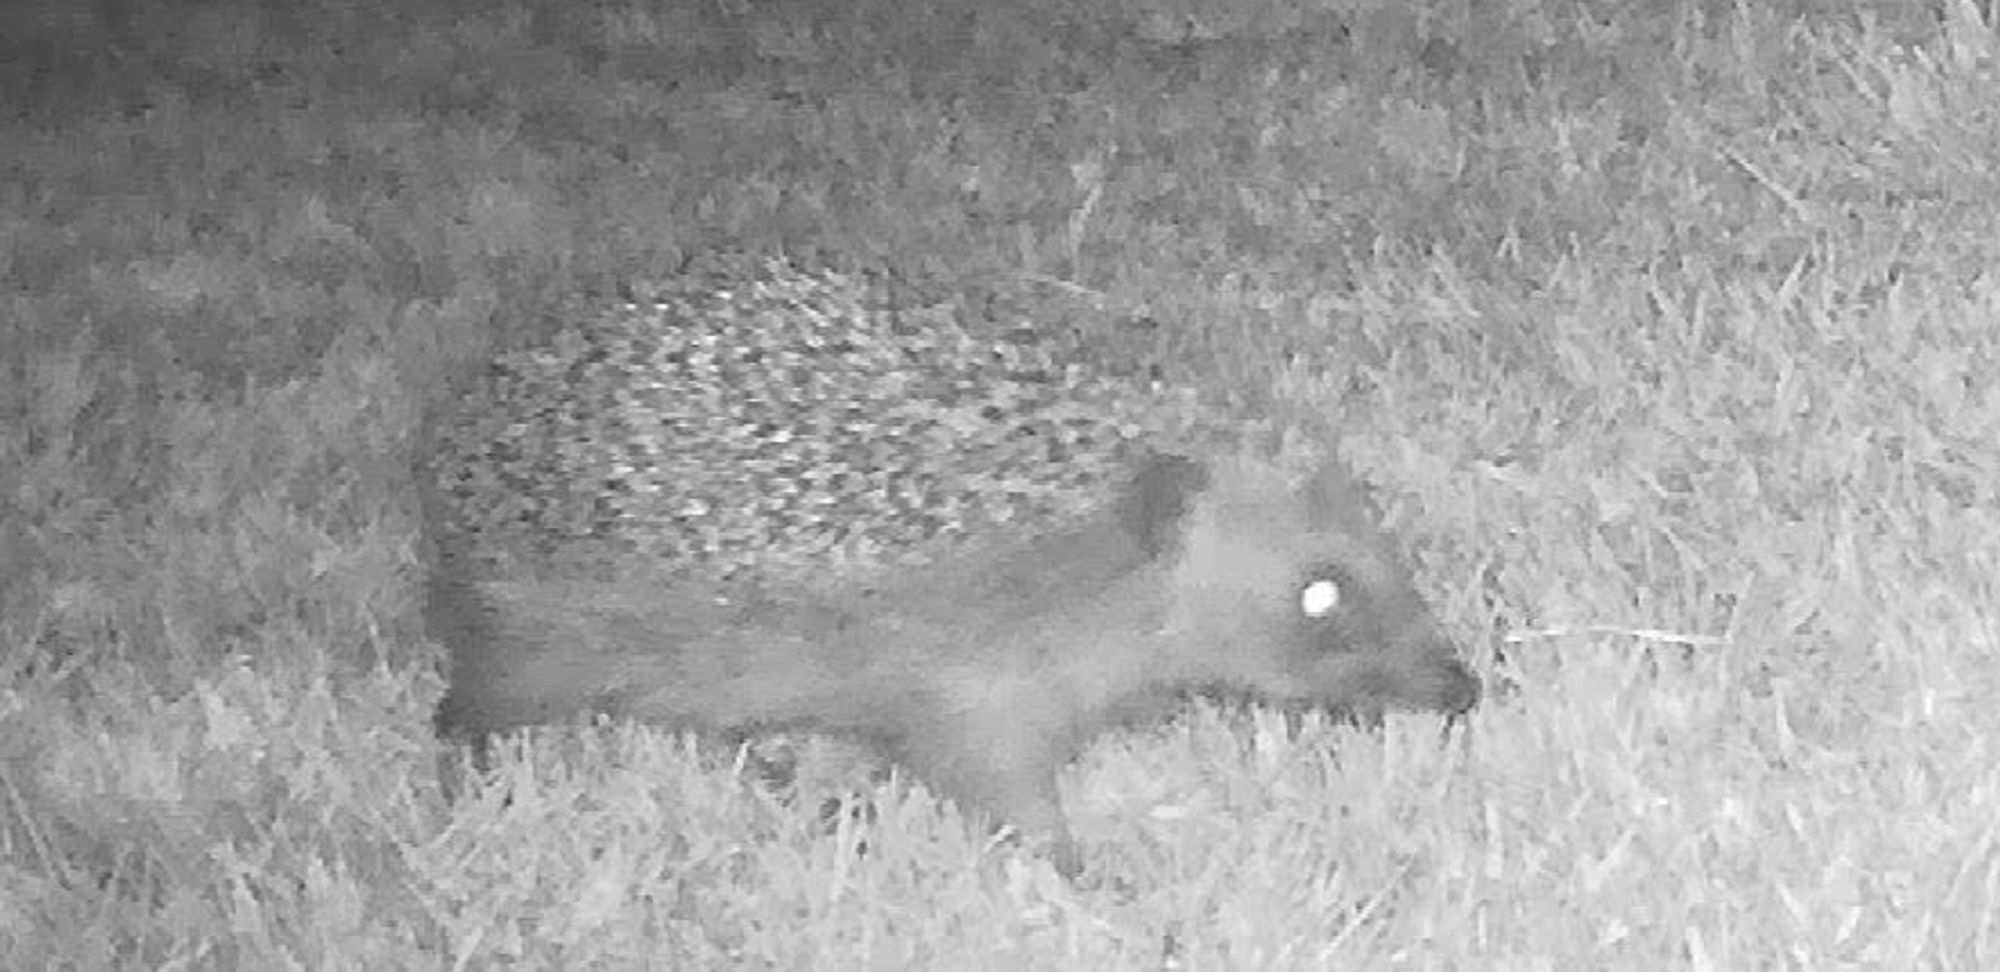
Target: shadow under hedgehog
[763,502]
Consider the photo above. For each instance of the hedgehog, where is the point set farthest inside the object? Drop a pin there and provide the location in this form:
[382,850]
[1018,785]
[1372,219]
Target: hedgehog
[761,498]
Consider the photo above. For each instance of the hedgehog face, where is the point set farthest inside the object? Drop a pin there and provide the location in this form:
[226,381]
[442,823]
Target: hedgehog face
[1359,647]
[1289,593]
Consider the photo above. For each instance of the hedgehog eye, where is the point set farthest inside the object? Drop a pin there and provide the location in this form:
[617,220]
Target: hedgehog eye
[1319,598]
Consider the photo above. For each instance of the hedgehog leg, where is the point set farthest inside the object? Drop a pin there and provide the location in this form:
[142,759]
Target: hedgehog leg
[1021,795]
[996,752]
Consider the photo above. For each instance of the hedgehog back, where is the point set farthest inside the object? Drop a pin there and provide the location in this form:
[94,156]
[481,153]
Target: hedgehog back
[765,420]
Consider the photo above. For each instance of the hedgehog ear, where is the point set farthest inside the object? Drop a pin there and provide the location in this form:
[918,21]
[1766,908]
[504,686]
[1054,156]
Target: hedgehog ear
[1158,499]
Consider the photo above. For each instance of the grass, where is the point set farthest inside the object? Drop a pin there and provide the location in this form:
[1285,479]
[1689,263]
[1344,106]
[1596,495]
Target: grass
[1665,330]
